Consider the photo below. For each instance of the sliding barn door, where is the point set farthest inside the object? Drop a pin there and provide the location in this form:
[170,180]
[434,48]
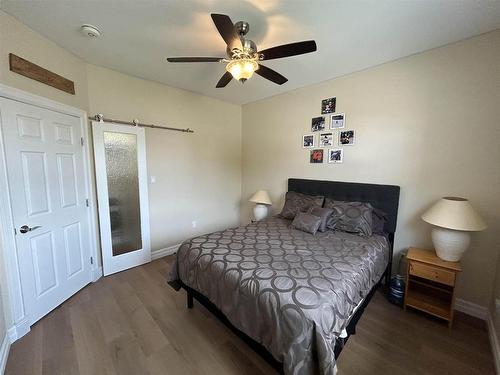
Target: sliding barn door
[122,192]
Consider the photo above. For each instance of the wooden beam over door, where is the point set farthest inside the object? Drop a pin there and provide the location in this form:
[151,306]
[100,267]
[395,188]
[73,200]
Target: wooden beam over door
[33,71]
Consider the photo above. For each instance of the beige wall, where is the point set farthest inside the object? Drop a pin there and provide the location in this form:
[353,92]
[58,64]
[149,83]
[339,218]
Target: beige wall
[198,175]
[19,39]
[429,123]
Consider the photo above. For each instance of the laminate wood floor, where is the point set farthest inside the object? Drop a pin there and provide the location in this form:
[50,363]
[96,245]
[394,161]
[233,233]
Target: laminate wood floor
[133,323]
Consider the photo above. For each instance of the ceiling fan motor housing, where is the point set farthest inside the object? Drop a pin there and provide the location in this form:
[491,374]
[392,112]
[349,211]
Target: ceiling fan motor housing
[247,52]
[242,28]
[249,48]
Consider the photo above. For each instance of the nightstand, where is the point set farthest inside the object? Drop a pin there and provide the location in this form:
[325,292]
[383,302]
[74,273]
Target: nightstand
[430,285]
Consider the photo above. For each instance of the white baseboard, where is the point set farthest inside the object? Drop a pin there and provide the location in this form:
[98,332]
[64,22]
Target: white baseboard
[12,333]
[96,274]
[495,347]
[157,254]
[4,352]
[471,309]
[19,330]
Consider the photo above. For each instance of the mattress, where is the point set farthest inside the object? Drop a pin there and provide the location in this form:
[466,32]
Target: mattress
[291,291]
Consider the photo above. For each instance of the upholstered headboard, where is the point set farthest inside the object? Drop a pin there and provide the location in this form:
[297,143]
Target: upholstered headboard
[383,197]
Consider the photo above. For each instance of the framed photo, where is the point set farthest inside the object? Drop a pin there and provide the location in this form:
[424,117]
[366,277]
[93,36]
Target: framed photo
[325,140]
[346,138]
[316,156]
[335,155]
[337,121]
[308,141]
[328,105]
[318,124]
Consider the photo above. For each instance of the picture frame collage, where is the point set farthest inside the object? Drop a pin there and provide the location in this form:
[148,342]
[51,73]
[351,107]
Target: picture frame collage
[330,138]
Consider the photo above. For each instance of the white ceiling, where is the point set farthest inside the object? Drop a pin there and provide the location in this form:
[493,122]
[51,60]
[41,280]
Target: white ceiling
[351,35]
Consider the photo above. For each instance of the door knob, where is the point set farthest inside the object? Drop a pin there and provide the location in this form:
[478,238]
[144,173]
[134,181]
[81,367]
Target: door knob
[26,229]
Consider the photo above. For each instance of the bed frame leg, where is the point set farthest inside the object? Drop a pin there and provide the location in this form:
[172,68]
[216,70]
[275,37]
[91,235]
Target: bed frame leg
[189,300]
[388,274]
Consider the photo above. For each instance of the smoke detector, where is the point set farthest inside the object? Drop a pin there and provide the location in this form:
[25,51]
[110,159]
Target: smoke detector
[90,31]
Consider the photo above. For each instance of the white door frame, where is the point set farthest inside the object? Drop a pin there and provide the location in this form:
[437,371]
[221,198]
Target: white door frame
[20,320]
[112,264]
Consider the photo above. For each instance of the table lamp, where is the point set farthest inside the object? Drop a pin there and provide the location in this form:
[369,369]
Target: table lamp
[262,200]
[453,219]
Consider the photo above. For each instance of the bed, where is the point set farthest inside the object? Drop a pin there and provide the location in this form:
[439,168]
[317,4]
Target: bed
[292,296]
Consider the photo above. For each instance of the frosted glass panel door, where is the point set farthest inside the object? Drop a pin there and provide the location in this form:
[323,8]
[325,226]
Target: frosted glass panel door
[122,195]
[123,191]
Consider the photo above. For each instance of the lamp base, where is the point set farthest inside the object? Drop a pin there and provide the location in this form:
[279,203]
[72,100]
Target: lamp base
[450,244]
[260,211]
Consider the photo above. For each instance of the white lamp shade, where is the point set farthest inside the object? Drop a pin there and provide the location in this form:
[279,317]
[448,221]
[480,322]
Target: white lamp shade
[261,197]
[454,213]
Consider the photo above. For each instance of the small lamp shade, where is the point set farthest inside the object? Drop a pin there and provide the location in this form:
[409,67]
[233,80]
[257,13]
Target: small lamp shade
[454,213]
[261,197]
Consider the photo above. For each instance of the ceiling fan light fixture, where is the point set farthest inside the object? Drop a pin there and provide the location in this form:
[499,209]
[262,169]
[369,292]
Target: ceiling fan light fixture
[242,69]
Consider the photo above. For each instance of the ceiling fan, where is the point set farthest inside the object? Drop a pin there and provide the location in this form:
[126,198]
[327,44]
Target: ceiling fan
[243,56]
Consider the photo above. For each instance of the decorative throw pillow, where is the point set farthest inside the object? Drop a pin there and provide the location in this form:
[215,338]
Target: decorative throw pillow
[379,218]
[323,213]
[306,222]
[351,217]
[297,202]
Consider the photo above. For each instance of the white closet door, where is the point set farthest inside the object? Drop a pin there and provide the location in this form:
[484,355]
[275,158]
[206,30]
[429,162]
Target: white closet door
[45,170]
[122,193]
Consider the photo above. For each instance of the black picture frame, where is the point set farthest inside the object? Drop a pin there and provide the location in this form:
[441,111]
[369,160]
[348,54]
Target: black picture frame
[347,138]
[318,124]
[328,105]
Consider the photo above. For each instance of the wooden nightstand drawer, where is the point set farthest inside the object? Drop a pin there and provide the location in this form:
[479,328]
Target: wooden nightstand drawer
[432,273]
[430,283]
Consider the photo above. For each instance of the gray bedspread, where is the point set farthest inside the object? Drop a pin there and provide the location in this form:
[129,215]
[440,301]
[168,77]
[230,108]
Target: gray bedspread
[288,290]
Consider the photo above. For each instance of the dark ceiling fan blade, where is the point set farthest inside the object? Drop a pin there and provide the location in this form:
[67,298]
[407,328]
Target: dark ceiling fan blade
[194,59]
[227,30]
[224,80]
[271,75]
[287,50]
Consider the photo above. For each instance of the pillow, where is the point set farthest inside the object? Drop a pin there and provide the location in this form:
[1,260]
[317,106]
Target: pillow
[297,202]
[323,213]
[379,218]
[306,222]
[351,217]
